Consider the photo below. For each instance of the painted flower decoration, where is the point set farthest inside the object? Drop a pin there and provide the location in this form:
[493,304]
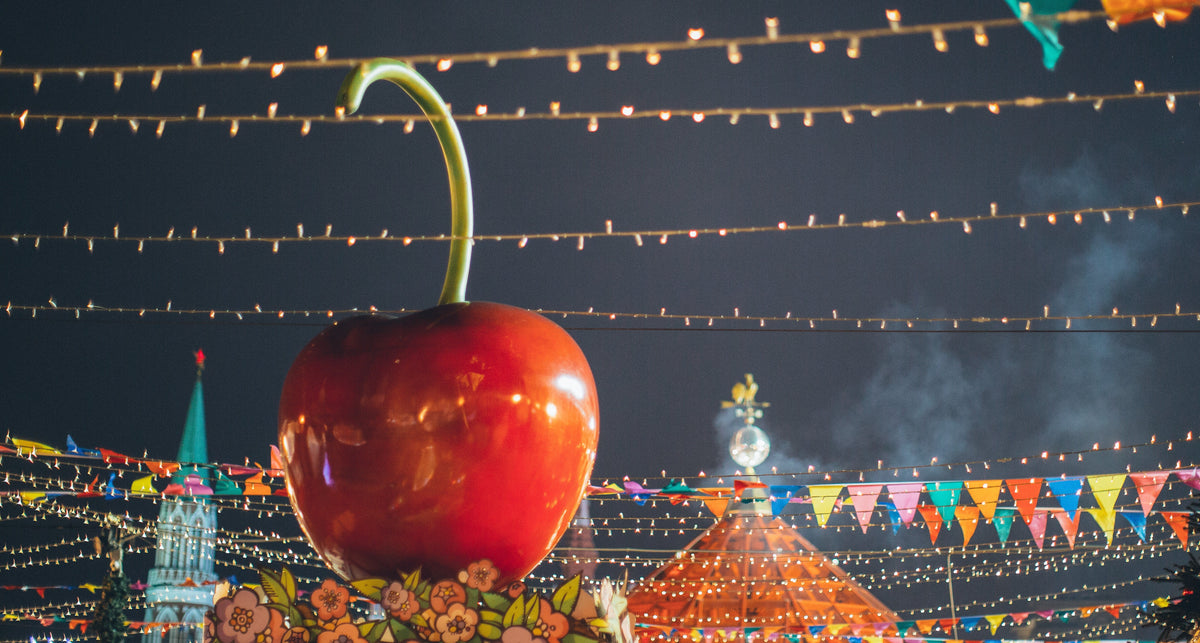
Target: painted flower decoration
[296,634]
[275,630]
[344,633]
[445,594]
[399,602]
[552,625]
[480,575]
[520,634]
[457,624]
[330,600]
[515,589]
[613,607]
[240,618]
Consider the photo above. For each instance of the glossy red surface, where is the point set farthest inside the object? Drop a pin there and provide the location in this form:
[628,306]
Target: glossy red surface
[462,432]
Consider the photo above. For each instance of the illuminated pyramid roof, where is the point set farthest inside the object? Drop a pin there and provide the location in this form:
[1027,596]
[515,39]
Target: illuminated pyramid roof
[752,573]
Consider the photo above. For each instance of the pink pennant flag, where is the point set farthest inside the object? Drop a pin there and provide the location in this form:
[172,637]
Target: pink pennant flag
[864,497]
[1190,477]
[905,496]
[1037,527]
[1019,617]
[1149,484]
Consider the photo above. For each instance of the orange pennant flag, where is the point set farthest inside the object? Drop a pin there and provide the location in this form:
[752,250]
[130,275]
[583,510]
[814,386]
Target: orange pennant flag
[716,505]
[1024,492]
[1148,484]
[984,493]
[255,486]
[968,519]
[933,520]
[1114,610]
[1179,523]
[1126,11]
[926,626]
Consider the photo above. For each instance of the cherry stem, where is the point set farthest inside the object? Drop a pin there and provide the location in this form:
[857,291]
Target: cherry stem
[454,289]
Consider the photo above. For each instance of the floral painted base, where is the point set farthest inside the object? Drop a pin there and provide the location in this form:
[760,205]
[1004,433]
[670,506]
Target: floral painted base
[469,609]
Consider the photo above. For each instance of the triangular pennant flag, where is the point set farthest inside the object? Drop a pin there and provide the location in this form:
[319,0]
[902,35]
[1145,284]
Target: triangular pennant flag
[1039,18]
[969,623]
[1069,524]
[892,514]
[1148,484]
[1107,521]
[740,485]
[968,520]
[716,505]
[1190,477]
[1161,11]
[823,498]
[864,497]
[1019,617]
[933,521]
[994,621]
[1179,523]
[1003,521]
[944,496]
[905,496]
[1067,490]
[255,486]
[947,624]
[925,626]
[26,447]
[1105,489]
[1024,492]
[984,493]
[1037,527]
[902,627]
[781,495]
[1137,520]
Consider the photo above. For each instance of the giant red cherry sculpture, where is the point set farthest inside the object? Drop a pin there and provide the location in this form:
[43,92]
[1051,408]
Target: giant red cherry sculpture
[459,433]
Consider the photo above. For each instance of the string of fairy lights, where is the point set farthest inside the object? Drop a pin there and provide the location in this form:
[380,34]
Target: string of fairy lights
[695,40]
[641,237]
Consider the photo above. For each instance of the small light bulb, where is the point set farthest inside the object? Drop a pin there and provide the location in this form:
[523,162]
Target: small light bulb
[981,37]
[305,127]
[233,128]
[593,125]
[118,80]
[817,46]
[699,116]
[555,108]
[939,41]
[481,110]
[773,120]
[893,18]
[853,48]
[158,132]
[695,34]
[198,57]
[272,109]
[573,62]
[627,110]
[653,57]
[444,64]
[276,70]
[614,60]
[321,52]
[772,28]
[665,115]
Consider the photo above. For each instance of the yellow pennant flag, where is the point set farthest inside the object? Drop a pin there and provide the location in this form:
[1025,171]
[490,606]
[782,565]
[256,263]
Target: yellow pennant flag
[29,446]
[143,486]
[1105,489]
[985,493]
[1107,521]
[33,496]
[824,497]
[995,620]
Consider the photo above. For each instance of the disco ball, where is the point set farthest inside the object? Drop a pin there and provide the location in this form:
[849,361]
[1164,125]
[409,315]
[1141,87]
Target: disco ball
[749,446]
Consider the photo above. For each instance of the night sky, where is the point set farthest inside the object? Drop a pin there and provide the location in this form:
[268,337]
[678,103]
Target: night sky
[841,396]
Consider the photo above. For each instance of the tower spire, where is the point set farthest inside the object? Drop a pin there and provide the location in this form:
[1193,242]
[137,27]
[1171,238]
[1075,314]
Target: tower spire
[193,446]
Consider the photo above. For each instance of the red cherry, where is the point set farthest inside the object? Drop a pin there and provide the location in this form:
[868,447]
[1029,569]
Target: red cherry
[459,433]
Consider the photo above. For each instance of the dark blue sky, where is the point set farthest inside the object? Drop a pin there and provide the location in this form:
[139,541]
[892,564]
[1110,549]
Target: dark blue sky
[838,398]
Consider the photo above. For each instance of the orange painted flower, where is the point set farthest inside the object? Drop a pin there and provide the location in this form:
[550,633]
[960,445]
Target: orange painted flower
[551,625]
[399,602]
[481,575]
[457,624]
[330,600]
[445,594]
[240,618]
[344,633]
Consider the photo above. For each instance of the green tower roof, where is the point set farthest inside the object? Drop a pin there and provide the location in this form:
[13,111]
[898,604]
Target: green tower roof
[193,448]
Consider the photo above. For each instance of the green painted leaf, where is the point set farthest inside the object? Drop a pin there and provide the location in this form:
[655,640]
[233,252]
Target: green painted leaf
[273,587]
[289,583]
[413,580]
[400,631]
[498,602]
[566,596]
[575,637]
[373,630]
[516,613]
[491,616]
[489,631]
[532,609]
[419,621]
[372,588]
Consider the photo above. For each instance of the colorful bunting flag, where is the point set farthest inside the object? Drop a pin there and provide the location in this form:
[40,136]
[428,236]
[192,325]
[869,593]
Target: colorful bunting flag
[864,498]
[1067,490]
[944,496]
[1149,484]
[1025,492]
[905,496]
[985,494]
[823,498]
[1039,18]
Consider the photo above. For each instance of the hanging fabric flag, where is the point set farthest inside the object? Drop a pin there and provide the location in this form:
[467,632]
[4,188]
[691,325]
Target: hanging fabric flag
[74,449]
[969,623]
[1037,527]
[255,486]
[905,495]
[1149,484]
[1179,524]
[1190,477]
[994,621]
[719,500]
[925,626]
[1107,520]
[1127,11]
[143,486]
[1024,492]
[781,495]
[1003,521]
[1040,19]
[864,498]
[1067,490]
[1105,489]
[933,520]
[25,447]
[893,515]
[823,498]
[1137,520]
[1069,524]
[968,520]
[984,493]
[944,496]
